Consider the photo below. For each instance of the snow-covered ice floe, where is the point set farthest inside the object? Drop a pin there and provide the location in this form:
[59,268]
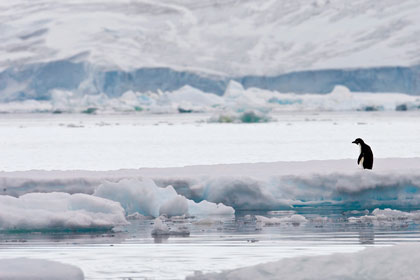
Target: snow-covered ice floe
[59,211]
[396,262]
[195,190]
[38,269]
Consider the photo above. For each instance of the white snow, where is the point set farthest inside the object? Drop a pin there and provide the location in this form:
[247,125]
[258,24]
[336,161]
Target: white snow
[37,269]
[59,211]
[145,197]
[251,38]
[387,263]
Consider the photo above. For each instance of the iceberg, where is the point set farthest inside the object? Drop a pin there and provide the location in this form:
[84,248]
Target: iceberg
[59,211]
[38,269]
[143,196]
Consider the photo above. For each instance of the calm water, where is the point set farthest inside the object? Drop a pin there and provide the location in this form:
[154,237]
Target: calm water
[133,253]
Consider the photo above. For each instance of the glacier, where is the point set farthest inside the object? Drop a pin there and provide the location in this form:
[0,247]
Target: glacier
[270,47]
[38,82]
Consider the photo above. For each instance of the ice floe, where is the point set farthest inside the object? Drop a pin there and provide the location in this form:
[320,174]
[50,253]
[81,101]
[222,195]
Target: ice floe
[59,211]
[387,263]
[199,190]
[38,269]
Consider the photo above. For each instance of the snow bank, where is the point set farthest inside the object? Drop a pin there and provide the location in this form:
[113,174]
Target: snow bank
[37,269]
[59,211]
[145,197]
[388,263]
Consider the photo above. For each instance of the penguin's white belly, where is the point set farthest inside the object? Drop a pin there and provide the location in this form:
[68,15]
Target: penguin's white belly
[361,161]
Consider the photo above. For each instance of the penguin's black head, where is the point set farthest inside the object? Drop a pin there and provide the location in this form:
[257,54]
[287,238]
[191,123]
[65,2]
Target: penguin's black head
[358,141]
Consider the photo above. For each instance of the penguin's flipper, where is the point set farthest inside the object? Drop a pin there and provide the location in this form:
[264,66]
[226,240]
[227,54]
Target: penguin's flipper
[360,158]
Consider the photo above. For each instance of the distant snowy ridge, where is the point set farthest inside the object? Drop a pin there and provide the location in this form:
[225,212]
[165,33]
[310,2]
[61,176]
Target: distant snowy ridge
[393,183]
[232,38]
[299,46]
[388,263]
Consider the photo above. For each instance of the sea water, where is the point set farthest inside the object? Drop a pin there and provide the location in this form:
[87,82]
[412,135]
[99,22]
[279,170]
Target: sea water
[110,142]
[132,252]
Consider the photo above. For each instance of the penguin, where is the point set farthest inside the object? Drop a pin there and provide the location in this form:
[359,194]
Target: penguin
[366,156]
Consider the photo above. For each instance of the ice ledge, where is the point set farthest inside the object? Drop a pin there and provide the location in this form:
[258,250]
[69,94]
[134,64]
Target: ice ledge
[393,183]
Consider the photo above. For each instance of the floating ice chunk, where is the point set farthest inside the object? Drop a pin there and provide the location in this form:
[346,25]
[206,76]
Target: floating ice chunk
[59,211]
[145,197]
[209,208]
[137,195]
[386,215]
[160,227]
[295,219]
[37,269]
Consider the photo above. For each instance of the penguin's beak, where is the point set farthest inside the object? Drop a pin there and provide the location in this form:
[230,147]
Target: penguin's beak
[354,142]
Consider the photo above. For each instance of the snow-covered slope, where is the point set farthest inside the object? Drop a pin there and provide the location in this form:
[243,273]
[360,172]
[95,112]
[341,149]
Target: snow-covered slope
[110,47]
[215,36]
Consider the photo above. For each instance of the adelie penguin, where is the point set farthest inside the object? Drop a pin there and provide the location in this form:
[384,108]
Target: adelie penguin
[366,156]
